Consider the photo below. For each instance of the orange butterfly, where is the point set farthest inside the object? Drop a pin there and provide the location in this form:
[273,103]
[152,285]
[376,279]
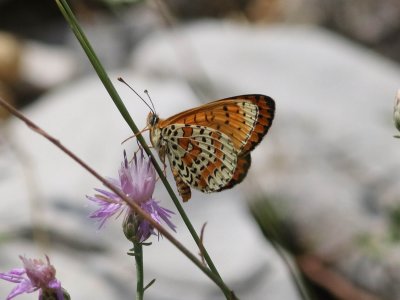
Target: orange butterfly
[208,147]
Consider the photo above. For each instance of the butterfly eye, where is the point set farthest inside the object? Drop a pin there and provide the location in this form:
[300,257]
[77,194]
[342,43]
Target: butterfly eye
[154,119]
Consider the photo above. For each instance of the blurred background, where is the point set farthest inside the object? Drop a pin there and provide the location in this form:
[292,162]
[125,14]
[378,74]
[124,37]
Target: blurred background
[318,216]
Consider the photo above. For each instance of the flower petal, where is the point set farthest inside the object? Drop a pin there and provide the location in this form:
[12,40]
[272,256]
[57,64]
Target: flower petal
[15,275]
[24,286]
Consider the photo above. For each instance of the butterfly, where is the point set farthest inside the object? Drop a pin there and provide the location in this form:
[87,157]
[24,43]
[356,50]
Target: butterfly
[208,147]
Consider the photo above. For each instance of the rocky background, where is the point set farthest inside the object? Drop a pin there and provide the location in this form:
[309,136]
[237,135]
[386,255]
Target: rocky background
[321,200]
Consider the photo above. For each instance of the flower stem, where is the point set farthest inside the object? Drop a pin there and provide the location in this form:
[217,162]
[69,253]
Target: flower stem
[70,17]
[138,250]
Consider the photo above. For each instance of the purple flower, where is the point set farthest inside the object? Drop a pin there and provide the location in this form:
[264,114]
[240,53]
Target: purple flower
[35,275]
[137,181]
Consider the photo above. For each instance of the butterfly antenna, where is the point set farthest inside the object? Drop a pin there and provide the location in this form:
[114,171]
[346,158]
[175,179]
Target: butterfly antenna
[144,101]
[148,96]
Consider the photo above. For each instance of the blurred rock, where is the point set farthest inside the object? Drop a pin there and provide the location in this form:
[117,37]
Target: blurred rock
[29,68]
[369,21]
[5,93]
[372,23]
[10,57]
[207,8]
[45,66]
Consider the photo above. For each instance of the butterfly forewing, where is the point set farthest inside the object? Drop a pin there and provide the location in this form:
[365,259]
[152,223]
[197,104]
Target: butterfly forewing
[266,113]
[245,119]
[209,146]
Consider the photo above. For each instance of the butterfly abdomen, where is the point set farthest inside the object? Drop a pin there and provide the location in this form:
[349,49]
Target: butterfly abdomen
[183,188]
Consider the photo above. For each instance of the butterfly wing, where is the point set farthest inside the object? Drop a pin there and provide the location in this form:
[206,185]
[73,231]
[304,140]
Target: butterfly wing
[245,119]
[202,156]
[209,146]
[242,167]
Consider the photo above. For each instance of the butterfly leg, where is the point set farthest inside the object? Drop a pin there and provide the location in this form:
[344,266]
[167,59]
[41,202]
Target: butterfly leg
[136,134]
[183,188]
[165,169]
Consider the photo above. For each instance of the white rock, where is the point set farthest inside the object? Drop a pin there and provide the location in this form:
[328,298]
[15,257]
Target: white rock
[46,66]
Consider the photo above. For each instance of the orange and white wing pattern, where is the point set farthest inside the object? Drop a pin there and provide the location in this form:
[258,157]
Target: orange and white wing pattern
[208,147]
[203,157]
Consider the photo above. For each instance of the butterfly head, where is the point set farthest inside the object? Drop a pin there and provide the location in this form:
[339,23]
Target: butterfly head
[152,119]
[155,134]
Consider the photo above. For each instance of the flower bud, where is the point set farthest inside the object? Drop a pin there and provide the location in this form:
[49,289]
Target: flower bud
[49,294]
[130,227]
[396,112]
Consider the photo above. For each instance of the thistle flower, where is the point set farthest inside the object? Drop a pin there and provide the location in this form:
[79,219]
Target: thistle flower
[137,181]
[35,275]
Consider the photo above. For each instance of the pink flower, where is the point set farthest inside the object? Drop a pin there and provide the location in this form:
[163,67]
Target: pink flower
[137,181]
[35,275]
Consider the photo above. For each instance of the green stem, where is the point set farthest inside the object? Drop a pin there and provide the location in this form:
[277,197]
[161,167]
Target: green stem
[138,250]
[70,17]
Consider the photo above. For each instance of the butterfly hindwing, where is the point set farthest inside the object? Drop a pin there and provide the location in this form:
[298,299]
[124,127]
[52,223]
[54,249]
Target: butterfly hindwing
[203,157]
[242,167]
